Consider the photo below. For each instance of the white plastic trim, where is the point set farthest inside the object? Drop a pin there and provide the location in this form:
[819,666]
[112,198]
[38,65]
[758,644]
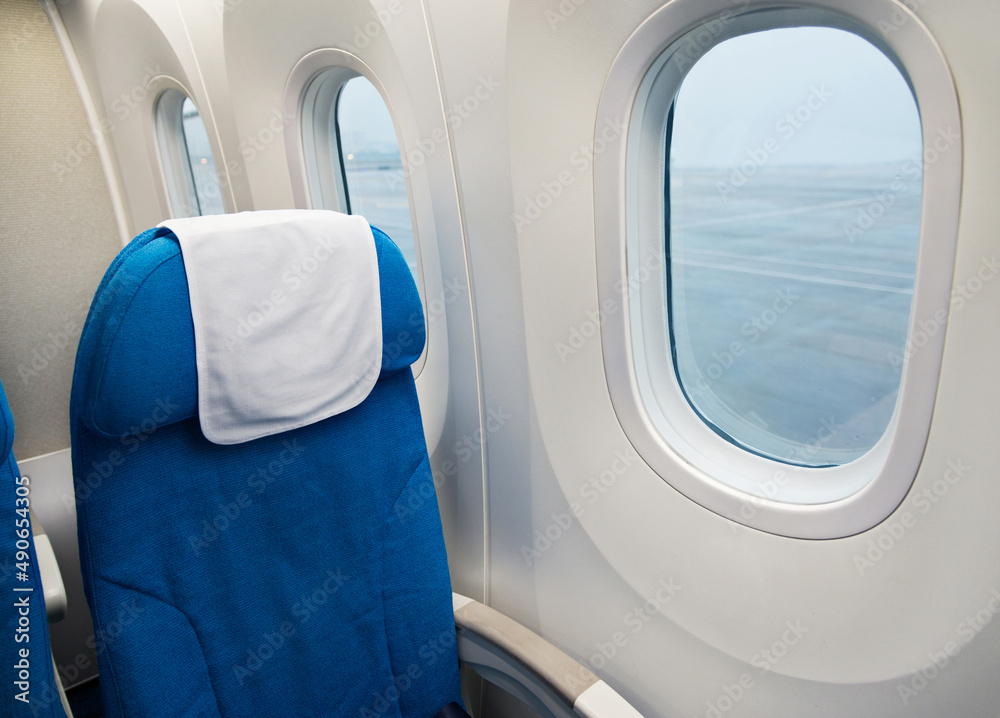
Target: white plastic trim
[602,701]
[772,496]
[458,601]
[52,583]
[523,663]
[174,161]
[93,119]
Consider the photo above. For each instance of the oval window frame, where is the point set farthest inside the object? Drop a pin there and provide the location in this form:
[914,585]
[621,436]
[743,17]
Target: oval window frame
[175,166]
[793,501]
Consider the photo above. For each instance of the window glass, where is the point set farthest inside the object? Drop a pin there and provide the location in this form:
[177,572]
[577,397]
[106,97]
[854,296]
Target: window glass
[207,194]
[372,166]
[186,157]
[793,197]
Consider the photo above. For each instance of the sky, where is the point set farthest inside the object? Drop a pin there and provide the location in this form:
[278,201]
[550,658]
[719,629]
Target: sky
[737,96]
[364,119]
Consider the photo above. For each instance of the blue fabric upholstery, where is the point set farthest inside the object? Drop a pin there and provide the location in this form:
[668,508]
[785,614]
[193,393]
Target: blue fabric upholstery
[24,645]
[302,574]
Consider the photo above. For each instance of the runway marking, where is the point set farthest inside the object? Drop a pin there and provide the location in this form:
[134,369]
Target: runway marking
[780,212]
[801,263]
[797,277]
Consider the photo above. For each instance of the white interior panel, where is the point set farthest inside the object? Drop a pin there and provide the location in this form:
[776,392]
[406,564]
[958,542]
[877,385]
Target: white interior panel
[860,632]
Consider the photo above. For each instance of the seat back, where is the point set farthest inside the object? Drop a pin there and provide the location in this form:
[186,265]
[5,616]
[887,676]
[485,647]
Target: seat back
[290,575]
[25,652]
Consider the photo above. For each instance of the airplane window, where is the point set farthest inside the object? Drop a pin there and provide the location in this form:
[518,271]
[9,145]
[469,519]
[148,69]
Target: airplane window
[188,166]
[199,155]
[792,202]
[372,165]
[779,227]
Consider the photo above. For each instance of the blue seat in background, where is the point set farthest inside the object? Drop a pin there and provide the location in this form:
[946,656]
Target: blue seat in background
[273,577]
[30,686]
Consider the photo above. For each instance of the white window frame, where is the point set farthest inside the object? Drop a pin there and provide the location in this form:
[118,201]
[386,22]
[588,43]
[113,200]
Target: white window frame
[327,183]
[800,502]
[174,160]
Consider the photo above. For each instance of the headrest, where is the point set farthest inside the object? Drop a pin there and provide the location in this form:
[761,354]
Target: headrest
[136,365]
[6,427]
[287,318]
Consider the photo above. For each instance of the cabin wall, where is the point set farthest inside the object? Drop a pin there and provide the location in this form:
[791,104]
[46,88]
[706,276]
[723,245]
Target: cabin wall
[57,226]
[755,623]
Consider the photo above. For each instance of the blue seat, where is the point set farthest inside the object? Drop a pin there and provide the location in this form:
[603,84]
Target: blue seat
[24,649]
[273,577]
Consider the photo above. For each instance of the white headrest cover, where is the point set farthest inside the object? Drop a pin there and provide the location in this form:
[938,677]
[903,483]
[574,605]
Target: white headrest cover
[287,318]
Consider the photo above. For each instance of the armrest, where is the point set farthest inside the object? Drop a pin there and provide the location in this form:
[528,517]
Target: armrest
[520,661]
[52,583]
[54,592]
